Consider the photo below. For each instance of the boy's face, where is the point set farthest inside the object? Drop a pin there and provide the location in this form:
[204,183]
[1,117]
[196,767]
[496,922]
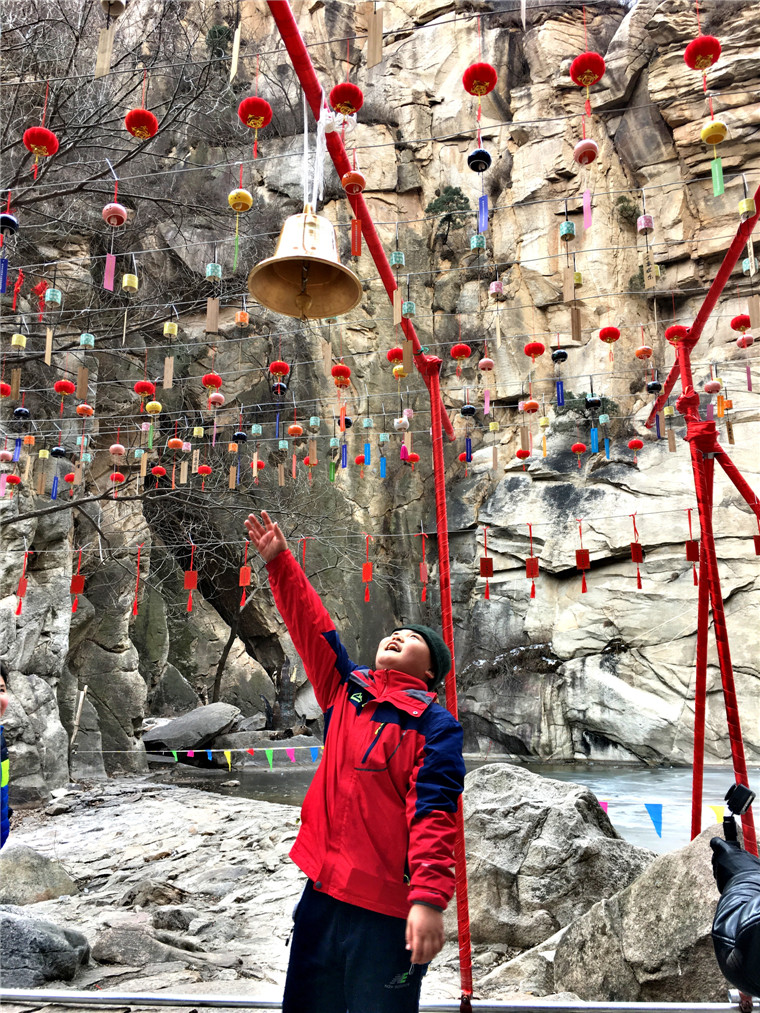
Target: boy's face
[3,696]
[405,651]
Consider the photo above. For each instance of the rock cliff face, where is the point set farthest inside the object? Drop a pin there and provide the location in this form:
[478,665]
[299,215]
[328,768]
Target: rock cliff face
[607,674]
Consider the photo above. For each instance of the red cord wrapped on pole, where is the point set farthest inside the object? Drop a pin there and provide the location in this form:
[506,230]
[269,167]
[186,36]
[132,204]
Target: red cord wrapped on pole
[433,366]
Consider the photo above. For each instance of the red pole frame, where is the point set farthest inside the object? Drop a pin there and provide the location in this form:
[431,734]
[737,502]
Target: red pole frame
[705,449]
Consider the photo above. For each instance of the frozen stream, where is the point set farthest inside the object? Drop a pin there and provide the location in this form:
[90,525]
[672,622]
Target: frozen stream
[627,790]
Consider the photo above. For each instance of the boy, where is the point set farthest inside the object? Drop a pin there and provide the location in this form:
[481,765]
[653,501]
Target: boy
[378,822]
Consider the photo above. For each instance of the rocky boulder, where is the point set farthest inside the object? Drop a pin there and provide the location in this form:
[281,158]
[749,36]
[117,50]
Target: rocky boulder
[27,877]
[651,942]
[34,951]
[540,852]
[173,695]
[192,731]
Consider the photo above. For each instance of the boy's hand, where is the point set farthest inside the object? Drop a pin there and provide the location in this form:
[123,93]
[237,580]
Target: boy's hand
[424,933]
[266,536]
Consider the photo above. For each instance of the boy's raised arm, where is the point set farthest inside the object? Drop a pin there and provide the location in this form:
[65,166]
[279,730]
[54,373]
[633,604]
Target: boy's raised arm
[311,629]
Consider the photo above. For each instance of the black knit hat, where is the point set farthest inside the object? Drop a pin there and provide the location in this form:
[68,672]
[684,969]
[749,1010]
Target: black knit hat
[440,655]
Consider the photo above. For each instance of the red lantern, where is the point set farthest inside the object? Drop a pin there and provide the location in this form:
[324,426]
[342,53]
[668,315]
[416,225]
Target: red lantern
[702,52]
[635,445]
[395,356]
[211,381]
[116,478]
[69,478]
[741,323]
[676,333]
[279,369]
[13,481]
[460,352]
[346,98]
[534,349]
[158,470]
[479,79]
[141,123]
[413,458]
[41,142]
[204,470]
[359,459]
[523,456]
[578,449]
[256,113]
[587,69]
[341,375]
[5,389]
[64,387]
[145,389]
[609,335]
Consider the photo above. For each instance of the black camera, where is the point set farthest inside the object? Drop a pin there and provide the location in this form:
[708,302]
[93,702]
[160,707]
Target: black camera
[739,799]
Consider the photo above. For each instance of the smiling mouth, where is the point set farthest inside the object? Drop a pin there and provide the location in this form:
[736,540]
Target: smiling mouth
[393,647]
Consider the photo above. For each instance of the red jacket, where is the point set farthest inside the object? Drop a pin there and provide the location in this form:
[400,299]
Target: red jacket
[378,819]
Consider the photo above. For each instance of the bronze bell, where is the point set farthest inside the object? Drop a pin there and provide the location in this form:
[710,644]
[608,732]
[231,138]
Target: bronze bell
[305,278]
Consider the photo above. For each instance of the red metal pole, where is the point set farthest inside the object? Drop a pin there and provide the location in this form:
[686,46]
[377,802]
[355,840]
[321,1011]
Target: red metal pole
[304,68]
[703,471]
[447,623]
[719,283]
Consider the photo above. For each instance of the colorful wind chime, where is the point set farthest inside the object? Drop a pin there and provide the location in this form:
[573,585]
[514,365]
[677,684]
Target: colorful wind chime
[700,54]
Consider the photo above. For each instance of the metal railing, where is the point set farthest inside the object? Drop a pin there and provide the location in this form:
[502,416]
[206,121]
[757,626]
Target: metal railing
[78,1000]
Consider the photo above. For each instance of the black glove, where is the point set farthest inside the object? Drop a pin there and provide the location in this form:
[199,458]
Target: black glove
[729,859]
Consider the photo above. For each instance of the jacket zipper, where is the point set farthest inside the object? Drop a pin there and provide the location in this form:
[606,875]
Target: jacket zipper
[373,743]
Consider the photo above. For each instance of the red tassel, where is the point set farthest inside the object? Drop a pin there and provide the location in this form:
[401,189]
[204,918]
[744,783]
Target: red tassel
[587,107]
[487,595]
[134,607]
[242,599]
[75,605]
[256,145]
[583,584]
[638,578]
[18,607]
[423,597]
[696,578]
[190,602]
[533,589]
[366,593]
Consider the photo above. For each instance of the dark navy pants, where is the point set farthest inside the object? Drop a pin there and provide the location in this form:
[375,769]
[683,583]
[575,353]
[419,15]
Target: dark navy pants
[345,959]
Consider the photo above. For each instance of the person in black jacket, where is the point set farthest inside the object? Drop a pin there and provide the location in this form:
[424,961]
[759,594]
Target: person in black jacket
[736,927]
[4,762]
